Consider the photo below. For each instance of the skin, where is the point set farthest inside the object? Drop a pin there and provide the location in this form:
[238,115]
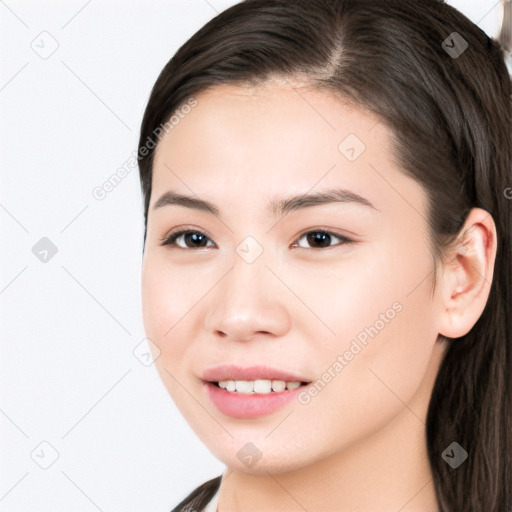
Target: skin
[359,444]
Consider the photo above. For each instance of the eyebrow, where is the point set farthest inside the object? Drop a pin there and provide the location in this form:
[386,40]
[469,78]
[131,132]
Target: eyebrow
[277,207]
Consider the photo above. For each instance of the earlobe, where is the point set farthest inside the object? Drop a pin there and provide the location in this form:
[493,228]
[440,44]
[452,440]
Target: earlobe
[467,274]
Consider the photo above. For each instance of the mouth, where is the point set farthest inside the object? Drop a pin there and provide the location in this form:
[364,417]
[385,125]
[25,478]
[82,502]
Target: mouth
[251,392]
[257,375]
[258,386]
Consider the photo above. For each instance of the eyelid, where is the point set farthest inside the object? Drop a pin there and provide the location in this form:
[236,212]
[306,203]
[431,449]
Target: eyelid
[345,240]
[182,231]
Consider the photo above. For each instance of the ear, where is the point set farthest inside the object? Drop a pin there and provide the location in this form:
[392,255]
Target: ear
[467,273]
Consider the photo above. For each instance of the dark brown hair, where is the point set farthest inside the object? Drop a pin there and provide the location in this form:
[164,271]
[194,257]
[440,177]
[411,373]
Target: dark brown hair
[448,108]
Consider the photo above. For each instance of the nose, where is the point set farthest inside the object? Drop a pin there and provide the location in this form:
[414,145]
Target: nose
[249,301]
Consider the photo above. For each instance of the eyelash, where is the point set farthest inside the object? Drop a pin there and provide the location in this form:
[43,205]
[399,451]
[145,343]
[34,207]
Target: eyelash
[170,240]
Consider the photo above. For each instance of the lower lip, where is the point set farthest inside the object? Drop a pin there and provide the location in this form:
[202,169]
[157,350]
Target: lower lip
[245,405]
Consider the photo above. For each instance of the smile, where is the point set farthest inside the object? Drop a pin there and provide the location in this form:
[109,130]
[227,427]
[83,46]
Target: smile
[251,403]
[258,386]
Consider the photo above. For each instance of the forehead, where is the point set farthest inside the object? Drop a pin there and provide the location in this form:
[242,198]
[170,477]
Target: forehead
[269,115]
[281,137]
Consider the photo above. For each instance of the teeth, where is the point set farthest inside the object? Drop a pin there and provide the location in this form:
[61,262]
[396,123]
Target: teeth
[278,385]
[244,386]
[261,386]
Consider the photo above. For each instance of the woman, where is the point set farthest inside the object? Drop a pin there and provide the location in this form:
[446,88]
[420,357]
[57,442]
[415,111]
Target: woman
[327,260]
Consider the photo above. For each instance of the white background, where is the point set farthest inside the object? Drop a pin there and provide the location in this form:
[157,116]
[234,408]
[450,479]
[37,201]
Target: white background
[69,376]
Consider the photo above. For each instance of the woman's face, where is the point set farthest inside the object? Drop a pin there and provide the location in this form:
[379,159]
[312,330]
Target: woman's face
[331,292]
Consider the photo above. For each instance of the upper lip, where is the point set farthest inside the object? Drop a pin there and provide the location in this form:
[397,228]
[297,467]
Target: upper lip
[234,372]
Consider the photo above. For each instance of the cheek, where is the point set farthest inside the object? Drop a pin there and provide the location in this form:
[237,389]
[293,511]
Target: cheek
[155,305]
[383,319]
[361,386]
[166,302]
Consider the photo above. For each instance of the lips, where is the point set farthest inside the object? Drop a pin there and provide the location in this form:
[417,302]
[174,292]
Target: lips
[256,372]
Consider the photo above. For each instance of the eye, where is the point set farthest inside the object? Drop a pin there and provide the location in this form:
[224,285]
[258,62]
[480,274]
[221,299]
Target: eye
[319,239]
[196,238]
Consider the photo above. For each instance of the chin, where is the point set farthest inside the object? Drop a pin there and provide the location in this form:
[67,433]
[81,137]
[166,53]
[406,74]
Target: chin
[258,457]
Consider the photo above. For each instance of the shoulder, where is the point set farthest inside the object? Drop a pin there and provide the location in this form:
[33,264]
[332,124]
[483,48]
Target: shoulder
[200,497]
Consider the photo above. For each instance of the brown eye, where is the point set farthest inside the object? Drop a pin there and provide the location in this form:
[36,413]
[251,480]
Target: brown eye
[322,239]
[192,239]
